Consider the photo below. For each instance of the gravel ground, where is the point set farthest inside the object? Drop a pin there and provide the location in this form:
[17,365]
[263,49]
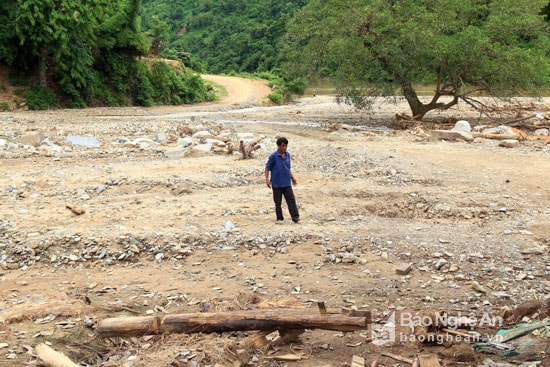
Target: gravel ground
[127,221]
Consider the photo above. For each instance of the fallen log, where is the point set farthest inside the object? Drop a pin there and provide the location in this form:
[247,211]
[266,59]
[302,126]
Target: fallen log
[216,322]
[497,136]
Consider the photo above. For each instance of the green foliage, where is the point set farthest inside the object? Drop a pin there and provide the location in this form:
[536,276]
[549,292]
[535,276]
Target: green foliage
[178,53]
[277,96]
[119,28]
[166,84]
[4,106]
[546,12]
[8,38]
[89,52]
[380,47]
[159,34]
[236,35]
[40,98]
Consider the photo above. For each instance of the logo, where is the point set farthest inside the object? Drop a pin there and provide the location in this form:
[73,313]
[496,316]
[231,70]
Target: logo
[382,334]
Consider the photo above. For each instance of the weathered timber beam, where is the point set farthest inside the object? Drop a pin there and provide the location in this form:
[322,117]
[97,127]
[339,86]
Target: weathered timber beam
[210,322]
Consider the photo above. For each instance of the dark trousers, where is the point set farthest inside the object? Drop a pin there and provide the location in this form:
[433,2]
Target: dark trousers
[278,193]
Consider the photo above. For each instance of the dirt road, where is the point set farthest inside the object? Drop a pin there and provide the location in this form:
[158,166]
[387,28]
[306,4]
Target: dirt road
[168,230]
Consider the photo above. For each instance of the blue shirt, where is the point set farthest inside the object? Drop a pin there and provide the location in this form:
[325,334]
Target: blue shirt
[280,169]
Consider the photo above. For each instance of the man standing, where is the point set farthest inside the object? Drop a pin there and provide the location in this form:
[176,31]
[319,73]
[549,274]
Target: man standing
[281,181]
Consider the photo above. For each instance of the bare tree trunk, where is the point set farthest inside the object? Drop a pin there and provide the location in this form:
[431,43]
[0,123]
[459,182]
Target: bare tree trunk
[419,109]
[43,68]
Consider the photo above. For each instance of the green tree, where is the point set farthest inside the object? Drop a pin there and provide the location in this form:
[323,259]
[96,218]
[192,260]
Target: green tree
[159,34]
[120,28]
[70,41]
[546,12]
[225,36]
[8,37]
[59,33]
[383,47]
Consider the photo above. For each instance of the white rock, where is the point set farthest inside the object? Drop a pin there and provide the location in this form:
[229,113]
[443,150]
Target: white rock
[509,143]
[462,126]
[201,134]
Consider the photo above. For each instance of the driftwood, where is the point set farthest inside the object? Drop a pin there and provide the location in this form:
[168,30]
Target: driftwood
[246,148]
[52,358]
[209,322]
[516,122]
[497,136]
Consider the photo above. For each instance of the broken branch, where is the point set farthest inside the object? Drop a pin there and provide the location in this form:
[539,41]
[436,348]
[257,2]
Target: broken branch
[496,136]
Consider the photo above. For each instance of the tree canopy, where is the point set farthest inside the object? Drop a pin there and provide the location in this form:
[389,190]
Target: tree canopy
[384,47]
[225,36]
[90,52]
[93,50]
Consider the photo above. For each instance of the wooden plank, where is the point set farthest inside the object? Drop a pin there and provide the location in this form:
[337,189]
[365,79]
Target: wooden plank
[428,360]
[357,361]
[397,357]
[53,358]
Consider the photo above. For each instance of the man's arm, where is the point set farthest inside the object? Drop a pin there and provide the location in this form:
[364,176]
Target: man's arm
[292,178]
[267,182]
[294,182]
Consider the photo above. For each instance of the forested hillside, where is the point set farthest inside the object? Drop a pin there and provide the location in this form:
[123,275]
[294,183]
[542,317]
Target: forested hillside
[224,36]
[76,54]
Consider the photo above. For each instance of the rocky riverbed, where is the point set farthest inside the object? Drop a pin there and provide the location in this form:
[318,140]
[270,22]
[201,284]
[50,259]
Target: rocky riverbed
[126,212]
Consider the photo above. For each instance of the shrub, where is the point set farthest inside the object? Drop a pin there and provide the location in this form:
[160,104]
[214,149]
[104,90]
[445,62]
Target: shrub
[277,97]
[40,98]
[5,106]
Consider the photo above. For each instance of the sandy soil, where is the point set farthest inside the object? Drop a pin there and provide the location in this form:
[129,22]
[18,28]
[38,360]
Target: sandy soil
[164,234]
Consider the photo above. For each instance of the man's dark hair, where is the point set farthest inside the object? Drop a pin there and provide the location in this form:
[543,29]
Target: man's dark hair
[282,140]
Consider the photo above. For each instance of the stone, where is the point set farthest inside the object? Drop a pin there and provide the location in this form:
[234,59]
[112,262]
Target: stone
[201,134]
[161,138]
[451,135]
[32,138]
[509,143]
[403,269]
[83,141]
[478,287]
[462,126]
[185,142]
